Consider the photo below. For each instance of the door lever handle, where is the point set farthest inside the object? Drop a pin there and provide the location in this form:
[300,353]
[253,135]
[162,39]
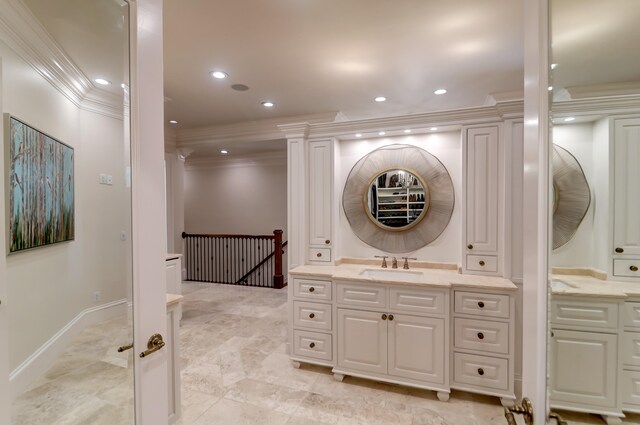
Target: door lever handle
[154,344]
[125,347]
[525,409]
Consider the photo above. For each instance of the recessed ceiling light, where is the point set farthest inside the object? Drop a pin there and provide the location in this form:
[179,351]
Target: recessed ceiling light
[358,134]
[550,88]
[433,128]
[219,75]
[173,122]
[569,119]
[102,81]
[380,99]
[224,152]
[407,131]
[268,104]
[440,91]
[382,133]
[554,65]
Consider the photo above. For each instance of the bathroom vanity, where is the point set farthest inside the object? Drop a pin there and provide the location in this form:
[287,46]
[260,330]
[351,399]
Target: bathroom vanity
[425,328]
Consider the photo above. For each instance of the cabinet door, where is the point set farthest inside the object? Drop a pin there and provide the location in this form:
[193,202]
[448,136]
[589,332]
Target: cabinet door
[320,178]
[583,368]
[362,340]
[482,189]
[416,348]
[626,175]
[174,276]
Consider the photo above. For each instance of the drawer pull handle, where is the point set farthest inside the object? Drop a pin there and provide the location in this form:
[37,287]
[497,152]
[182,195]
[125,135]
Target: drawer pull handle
[481,262]
[313,344]
[390,317]
[480,335]
[633,268]
[480,371]
[327,241]
[619,250]
[384,317]
[480,304]
[470,246]
[319,255]
[311,315]
[312,289]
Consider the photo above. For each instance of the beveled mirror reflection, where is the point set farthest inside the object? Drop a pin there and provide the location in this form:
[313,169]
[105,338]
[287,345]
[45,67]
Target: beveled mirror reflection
[397,199]
[70,304]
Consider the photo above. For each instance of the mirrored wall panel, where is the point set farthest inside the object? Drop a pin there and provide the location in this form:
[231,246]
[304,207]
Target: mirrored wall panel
[65,101]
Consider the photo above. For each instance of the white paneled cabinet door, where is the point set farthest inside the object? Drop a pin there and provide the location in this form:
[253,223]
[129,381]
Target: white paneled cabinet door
[320,184]
[416,347]
[481,147]
[583,369]
[362,340]
[626,177]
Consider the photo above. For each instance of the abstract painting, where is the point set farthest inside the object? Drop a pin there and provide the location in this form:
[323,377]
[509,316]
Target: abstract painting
[40,186]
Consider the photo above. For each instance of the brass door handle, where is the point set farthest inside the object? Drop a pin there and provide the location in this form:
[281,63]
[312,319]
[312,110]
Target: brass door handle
[154,344]
[125,348]
[526,409]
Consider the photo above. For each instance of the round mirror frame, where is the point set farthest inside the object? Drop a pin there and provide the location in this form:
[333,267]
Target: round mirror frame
[431,173]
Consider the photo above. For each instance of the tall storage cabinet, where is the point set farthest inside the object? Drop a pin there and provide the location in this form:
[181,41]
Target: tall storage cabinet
[320,200]
[482,198]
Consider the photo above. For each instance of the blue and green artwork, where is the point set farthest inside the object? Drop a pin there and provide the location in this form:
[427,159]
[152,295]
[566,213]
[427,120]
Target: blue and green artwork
[41,192]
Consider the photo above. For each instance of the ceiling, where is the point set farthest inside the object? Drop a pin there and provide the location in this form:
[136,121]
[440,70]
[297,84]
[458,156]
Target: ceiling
[316,56]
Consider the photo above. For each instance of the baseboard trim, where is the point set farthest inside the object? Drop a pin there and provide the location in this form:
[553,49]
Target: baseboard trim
[43,358]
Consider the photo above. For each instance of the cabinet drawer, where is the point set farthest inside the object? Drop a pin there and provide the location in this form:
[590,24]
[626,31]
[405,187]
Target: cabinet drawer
[482,335]
[482,263]
[631,349]
[416,301]
[361,295]
[312,289]
[312,315]
[481,371]
[493,305]
[631,387]
[312,344]
[320,254]
[632,315]
[584,313]
[628,268]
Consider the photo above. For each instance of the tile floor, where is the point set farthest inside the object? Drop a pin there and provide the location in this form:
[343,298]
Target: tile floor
[235,371]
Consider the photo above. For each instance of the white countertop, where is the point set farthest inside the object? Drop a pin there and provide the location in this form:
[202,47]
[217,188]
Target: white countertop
[419,276]
[588,286]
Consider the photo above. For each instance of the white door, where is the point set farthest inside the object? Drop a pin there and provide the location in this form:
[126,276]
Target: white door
[149,224]
[362,340]
[626,202]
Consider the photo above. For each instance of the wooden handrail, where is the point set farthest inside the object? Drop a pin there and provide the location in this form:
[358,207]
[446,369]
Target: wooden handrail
[276,284]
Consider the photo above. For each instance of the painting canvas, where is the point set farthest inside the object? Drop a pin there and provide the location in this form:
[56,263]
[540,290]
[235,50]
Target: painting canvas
[40,187]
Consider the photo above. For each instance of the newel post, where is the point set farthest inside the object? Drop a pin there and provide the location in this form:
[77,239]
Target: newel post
[278,278]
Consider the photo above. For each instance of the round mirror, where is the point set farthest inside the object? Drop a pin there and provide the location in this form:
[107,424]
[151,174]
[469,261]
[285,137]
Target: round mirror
[397,199]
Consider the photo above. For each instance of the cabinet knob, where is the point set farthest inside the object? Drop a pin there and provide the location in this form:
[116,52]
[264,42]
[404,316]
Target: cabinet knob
[312,289]
[480,371]
[480,335]
[481,262]
[480,304]
[390,317]
[384,317]
[311,315]
[319,255]
[470,246]
[619,250]
[327,241]
[313,344]
[633,268]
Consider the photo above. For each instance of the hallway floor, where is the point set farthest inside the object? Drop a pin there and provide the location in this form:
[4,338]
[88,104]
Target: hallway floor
[235,371]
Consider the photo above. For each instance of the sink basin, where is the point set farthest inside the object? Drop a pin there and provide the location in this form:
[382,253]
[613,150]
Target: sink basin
[559,284]
[400,275]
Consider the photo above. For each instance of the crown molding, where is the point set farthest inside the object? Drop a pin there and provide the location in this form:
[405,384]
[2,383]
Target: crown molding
[611,105]
[252,131]
[602,90]
[456,118]
[23,33]
[240,161]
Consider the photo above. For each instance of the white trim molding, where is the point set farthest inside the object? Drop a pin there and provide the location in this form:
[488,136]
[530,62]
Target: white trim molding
[598,106]
[265,158]
[44,357]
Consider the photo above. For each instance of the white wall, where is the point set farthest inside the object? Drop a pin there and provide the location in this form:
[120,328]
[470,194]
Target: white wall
[447,148]
[49,286]
[238,195]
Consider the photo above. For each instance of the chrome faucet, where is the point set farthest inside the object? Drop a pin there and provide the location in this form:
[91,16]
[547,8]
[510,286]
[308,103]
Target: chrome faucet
[394,265]
[384,260]
[406,262]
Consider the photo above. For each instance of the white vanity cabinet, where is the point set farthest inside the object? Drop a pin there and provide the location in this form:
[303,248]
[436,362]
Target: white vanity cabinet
[483,343]
[320,202]
[630,377]
[394,333]
[483,197]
